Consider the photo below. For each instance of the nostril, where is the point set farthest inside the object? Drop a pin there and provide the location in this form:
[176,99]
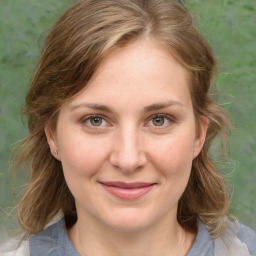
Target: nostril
[128,163]
[127,154]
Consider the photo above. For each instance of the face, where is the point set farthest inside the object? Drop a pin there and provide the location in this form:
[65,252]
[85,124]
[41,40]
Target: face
[127,141]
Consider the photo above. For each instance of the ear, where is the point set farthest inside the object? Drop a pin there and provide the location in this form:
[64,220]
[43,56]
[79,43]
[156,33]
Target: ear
[52,142]
[201,135]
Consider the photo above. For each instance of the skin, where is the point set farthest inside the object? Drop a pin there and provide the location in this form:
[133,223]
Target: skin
[146,134]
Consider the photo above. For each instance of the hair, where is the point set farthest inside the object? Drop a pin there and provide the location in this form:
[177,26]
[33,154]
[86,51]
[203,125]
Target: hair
[75,47]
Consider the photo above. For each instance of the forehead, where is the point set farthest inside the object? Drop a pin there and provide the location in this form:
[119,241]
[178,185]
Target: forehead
[142,70]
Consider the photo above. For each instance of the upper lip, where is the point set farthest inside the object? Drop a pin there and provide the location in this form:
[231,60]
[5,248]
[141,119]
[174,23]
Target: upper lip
[121,184]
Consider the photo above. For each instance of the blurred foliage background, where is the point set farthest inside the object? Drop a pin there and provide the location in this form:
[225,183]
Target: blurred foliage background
[228,25]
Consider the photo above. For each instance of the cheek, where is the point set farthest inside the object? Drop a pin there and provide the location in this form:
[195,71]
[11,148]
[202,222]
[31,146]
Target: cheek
[82,161]
[82,156]
[173,156]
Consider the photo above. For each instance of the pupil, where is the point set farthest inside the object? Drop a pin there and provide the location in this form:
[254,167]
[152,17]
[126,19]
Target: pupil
[96,121]
[158,121]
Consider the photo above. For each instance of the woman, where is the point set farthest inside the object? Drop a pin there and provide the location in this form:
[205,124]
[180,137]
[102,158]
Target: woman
[120,125]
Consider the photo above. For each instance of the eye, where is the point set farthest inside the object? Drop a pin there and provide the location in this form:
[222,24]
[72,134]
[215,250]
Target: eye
[95,121]
[160,120]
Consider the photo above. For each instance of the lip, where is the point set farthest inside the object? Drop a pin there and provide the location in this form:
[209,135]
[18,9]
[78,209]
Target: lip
[128,191]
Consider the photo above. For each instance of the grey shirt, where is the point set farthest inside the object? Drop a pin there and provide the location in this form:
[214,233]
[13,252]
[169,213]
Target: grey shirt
[54,241]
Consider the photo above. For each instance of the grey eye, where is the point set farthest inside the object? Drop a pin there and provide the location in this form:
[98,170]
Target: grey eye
[158,121]
[96,121]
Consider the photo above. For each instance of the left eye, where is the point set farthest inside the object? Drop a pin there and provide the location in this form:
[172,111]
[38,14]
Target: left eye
[159,121]
[95,121]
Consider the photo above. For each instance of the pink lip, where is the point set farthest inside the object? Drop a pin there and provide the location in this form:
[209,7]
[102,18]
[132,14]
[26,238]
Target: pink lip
[127,190]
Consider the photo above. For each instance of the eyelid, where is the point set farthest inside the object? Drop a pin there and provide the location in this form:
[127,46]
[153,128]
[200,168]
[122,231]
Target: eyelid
[170,118]
[162,115]
[87,117]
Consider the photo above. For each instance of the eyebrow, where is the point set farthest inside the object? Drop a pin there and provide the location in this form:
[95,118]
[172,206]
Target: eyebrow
[92,106]
[104,108]
[158,106]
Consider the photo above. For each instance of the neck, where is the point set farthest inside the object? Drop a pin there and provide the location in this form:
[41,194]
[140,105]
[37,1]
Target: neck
[165,239]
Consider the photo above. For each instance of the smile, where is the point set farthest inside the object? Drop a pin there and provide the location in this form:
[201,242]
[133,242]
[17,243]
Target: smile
[128,191]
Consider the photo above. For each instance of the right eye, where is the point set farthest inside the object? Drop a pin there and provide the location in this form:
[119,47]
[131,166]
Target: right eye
[95,121]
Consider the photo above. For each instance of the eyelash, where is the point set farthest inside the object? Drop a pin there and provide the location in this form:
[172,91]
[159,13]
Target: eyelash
[169,118]
[87,118]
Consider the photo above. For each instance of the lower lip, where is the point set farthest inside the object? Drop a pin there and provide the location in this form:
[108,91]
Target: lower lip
[128,193]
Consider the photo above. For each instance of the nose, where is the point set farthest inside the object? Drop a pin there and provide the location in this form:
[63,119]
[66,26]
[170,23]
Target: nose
[128,154]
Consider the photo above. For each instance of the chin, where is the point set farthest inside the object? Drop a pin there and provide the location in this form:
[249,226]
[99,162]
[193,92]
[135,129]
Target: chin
[130,221]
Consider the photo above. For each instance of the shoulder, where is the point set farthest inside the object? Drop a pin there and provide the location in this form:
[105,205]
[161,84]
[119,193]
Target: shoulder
[204,244]
[43,243]
[236,240]
[247,236]
[52,241]
[47,233]
[12,248]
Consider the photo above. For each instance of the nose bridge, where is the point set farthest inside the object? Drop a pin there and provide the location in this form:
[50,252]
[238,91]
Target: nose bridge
[128,153]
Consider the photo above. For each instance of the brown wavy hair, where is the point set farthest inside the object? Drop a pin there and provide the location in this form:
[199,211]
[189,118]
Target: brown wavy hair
[76,45]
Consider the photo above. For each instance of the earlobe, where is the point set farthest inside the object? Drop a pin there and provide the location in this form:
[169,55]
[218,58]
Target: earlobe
[200,139]
[52,142]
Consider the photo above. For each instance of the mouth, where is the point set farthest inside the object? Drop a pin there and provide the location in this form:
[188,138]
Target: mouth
[128,191]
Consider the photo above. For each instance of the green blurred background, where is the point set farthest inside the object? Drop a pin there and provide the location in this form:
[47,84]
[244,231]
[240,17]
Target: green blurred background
[230,28]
